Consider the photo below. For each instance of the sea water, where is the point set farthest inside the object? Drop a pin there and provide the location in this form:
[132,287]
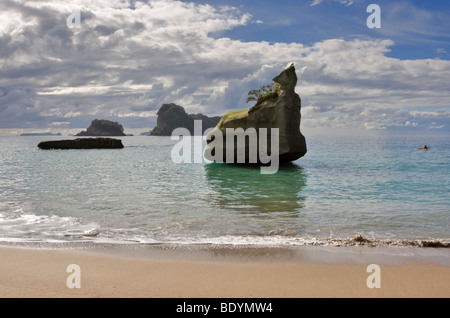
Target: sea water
[383,187]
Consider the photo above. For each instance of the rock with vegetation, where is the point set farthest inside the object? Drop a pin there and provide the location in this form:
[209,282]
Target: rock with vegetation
[82,143]
[172,116]
[103,128]
[277,106]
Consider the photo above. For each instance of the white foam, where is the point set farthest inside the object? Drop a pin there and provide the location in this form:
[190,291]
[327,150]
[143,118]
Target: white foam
[20,226]
[246,240]
[26,227]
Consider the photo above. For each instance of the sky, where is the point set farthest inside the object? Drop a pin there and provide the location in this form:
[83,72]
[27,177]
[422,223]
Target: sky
[127,58]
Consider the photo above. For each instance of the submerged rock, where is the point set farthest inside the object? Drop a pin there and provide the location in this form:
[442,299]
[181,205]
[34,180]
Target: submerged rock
[82,143]
[172,116]
[279,108]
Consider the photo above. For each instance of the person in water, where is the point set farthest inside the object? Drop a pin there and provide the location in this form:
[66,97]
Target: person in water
[425,147]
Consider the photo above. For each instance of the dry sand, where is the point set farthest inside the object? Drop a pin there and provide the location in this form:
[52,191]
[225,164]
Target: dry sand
[221,273]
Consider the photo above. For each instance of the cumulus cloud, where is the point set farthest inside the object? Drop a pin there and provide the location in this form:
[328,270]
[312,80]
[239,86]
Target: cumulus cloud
[130,57]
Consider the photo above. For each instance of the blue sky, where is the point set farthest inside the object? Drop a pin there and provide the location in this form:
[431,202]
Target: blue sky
[129,57]
[419,28]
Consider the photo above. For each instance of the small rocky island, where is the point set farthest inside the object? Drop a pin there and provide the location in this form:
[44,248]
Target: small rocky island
[40,134]
[101,128]
[172,116]
[82,143]
[277,107]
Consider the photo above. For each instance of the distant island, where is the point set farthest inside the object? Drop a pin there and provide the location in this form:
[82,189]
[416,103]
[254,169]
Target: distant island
[40,134]
[103,128]
[172,116]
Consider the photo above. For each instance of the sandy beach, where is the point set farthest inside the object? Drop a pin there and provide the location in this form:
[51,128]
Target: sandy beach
[223,272]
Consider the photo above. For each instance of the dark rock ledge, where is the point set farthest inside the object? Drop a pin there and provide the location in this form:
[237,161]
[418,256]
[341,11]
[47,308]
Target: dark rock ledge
[82,143]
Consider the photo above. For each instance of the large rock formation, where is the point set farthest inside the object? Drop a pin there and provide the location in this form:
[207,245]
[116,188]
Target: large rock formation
[103,128]
[171,117]
[278,108]
[82,143]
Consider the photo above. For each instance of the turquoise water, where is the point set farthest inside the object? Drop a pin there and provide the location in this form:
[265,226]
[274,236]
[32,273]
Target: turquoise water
[383,187]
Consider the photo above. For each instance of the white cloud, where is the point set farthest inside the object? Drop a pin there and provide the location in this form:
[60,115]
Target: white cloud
[316,2]
[59,123]
[412,24]
[125,61]
[346,2]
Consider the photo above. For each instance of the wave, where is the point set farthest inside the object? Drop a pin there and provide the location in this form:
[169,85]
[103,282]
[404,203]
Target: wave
[359,240]
[25,227]
[29,228]
[284,241]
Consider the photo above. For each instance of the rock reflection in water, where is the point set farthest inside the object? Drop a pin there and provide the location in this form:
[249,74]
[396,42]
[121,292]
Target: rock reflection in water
[245,189]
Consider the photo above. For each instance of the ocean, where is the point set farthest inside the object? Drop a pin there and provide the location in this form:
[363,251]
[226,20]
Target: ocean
[379,188]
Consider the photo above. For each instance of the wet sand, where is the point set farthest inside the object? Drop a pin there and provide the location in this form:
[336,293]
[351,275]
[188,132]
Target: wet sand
[212,272]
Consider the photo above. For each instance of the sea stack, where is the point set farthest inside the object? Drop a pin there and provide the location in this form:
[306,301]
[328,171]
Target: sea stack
[280,108]
[172,116]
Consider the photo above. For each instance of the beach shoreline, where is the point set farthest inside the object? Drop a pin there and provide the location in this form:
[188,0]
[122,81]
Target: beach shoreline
[168,271]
